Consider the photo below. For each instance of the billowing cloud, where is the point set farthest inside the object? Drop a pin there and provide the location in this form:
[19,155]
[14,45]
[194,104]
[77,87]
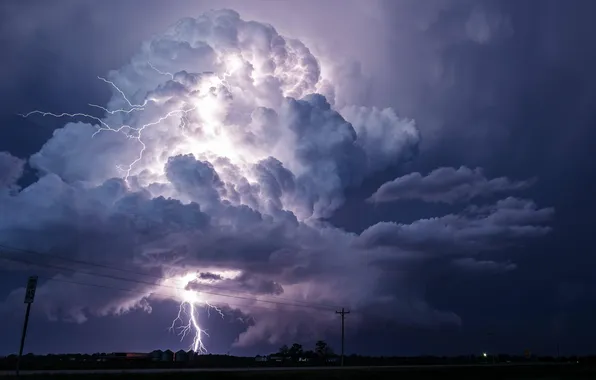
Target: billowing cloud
[446,185]
[11,169]
[477,228]
[211,171]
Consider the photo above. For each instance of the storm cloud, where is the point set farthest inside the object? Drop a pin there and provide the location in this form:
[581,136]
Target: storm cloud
[224,147]
[476,228]
[447,185]
[11,169]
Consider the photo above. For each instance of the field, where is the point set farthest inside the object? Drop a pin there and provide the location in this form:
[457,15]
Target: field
[505,372]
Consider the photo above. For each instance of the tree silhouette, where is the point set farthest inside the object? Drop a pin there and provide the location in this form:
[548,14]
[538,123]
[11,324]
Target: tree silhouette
[284,351]
[295,351]
[310,354]
[322,349]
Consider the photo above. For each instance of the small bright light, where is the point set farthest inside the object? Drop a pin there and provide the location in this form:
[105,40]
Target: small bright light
[484,354]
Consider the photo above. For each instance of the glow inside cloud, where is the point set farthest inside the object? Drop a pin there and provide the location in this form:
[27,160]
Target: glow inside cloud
[213,164]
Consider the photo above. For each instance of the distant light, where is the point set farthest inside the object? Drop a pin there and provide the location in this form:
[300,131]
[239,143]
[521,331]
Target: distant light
[484,354]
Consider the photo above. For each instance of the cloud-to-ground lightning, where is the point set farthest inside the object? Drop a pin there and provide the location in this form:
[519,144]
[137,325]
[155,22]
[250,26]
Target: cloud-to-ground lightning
[234,148]
[187,319]
[190,326]
[221,147]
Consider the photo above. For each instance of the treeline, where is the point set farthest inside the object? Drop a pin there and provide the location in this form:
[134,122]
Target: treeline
[296,351]
[293,355]
[99,361]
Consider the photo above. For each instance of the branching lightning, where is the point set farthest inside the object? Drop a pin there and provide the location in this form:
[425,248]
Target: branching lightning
[129,131]
[187,320]
[192,324]
[161,72]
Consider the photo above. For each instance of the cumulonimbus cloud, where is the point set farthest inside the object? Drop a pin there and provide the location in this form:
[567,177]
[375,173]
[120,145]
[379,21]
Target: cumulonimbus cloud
[217,154]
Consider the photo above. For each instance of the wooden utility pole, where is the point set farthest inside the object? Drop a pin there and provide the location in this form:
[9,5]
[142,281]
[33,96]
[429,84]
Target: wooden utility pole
[29,297]
[343,313]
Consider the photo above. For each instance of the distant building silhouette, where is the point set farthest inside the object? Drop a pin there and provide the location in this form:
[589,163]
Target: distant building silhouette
[121,356]
[192,355]
[181,356]
[156,355]
[167,356]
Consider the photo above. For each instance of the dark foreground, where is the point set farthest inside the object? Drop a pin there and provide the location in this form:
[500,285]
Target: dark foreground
[505,372]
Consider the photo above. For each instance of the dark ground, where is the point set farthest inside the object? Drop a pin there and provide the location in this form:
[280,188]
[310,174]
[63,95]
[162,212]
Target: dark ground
[542,372]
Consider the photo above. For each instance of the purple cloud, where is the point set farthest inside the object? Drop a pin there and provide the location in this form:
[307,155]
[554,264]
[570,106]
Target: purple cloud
[11,169]
[224,146]
[483,266]
[477,228]
[445,185]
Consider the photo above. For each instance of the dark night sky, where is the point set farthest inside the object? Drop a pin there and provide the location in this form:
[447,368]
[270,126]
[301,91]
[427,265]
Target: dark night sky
[506,86]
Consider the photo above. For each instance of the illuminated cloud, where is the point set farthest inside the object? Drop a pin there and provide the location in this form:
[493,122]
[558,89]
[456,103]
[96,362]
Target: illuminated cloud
[214,166]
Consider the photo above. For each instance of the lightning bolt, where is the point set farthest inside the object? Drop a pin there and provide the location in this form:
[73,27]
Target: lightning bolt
[187,319]
[161,72]
[189,310]
[128,130]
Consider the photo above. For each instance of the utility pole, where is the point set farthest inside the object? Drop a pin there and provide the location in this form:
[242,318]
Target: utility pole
[343,313]
[29,296]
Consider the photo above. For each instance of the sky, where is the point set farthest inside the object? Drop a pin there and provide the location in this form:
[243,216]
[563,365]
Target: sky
[258,165]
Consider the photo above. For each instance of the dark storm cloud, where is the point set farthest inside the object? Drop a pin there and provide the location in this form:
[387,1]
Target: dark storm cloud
[210,276]
[175,211]
[245,283]
[11,169]
[448,185]
[504,85]
[485,227]
[483,266]
[196,178]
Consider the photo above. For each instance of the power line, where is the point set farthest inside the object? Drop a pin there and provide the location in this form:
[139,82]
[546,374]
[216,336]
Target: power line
[104,266]
[156,284]
[80,283]
[159,285]
[141,292]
